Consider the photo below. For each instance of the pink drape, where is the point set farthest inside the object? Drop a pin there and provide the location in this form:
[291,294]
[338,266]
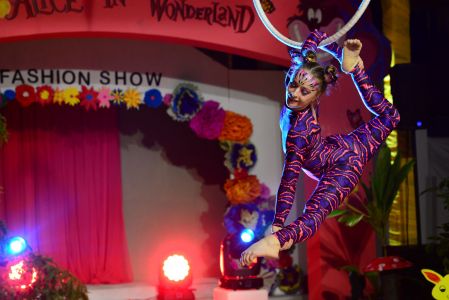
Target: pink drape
[61,175]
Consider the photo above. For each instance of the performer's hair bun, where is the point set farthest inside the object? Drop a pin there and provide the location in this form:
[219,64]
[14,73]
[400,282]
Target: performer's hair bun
[330,74]
[309,56]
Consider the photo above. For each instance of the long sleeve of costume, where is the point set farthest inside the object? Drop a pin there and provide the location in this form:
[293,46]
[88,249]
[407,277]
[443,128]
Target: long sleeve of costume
[373,99]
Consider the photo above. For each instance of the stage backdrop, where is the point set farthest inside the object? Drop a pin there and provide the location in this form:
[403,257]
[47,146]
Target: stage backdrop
[229,26]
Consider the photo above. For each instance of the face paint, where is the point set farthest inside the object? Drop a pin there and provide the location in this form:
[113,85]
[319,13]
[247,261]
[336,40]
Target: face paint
[302,90]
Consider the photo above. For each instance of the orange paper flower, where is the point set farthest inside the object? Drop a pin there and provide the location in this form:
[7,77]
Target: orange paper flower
[242,190]
[237,128]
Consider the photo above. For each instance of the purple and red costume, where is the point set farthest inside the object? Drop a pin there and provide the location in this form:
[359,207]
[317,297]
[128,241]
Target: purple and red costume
[337,161]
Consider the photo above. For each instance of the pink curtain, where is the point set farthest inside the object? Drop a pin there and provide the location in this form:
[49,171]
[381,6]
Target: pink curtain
[62,188]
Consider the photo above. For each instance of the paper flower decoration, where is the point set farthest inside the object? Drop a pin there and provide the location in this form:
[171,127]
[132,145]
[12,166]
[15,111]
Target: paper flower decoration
[71,96]
[118,97]
[153,98]
[242,190]
[265,191]
[167,99]
[239,217]
[237,128]
[209,121]
[104,97]
[9,95]
[241,156]
[45,94]
[185,103]
[58,96]
[25,94]
[132,98]
[88,97]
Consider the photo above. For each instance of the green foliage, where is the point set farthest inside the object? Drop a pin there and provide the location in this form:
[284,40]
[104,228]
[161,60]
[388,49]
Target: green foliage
[375,210]
[3,131]
[51,283]
[440,243]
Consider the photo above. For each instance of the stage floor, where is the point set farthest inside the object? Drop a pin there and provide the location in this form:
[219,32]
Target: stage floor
[203,290]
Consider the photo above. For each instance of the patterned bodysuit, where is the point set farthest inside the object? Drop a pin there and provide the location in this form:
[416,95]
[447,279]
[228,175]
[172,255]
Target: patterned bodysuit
[337,161]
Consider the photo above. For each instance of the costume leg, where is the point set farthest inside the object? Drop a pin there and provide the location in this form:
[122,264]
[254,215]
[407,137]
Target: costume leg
[331,190]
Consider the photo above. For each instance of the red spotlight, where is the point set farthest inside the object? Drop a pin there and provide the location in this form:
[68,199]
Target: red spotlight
[21,276]
[175,279]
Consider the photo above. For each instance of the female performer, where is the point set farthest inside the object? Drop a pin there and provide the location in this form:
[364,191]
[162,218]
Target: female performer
[337,161]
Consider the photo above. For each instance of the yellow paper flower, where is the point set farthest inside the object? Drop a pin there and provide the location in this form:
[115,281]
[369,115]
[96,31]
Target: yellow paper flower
[58,97]
[242,190]
[237,128]
[71,96]
[132,98]
[5,8]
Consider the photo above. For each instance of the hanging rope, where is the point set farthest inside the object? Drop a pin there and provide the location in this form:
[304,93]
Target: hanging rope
[294,44]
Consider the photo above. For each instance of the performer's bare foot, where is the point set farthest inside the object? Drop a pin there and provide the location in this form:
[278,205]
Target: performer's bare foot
[275,228]
[268,247]
[351,55]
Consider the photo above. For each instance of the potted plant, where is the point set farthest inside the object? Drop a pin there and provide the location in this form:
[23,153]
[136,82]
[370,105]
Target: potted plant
[375,209]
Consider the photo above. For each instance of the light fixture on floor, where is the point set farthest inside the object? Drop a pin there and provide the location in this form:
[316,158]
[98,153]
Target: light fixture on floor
[175,279]
[233,275]
[15,246]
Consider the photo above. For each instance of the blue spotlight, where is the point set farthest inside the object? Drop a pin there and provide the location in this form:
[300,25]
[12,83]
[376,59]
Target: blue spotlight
[16,245]
[247,235]
[419,123]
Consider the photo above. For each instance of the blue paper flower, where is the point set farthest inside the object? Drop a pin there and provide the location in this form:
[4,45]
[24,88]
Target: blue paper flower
[242,216]
[186,103]
[9,95]
[243,156]
[153,98]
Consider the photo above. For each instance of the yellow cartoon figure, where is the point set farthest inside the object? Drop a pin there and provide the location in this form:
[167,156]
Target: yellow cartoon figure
[5,7]
[441,289]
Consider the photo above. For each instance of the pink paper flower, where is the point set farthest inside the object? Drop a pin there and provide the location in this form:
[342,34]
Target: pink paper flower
[104,97]
[208,122]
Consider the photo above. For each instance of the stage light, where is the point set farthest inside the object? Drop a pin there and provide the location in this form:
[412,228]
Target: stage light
[20,277]
[247,235]
[176,268]
[419,124]
[233,275]
[175,279]
[15,246]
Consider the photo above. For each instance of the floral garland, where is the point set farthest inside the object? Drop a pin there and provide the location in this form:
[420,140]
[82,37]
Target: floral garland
[206,118]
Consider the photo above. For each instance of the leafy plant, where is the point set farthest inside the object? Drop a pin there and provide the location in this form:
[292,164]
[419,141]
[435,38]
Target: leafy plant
[39,278]
[375,210]
[440,243]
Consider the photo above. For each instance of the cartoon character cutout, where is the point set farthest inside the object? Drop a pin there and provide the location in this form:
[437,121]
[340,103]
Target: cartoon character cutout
[312,14]
[441,289]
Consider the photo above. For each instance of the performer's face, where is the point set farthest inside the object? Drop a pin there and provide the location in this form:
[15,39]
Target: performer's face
[302,90]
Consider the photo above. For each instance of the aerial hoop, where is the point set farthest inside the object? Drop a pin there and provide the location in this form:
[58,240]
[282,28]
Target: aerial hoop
[294,44]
